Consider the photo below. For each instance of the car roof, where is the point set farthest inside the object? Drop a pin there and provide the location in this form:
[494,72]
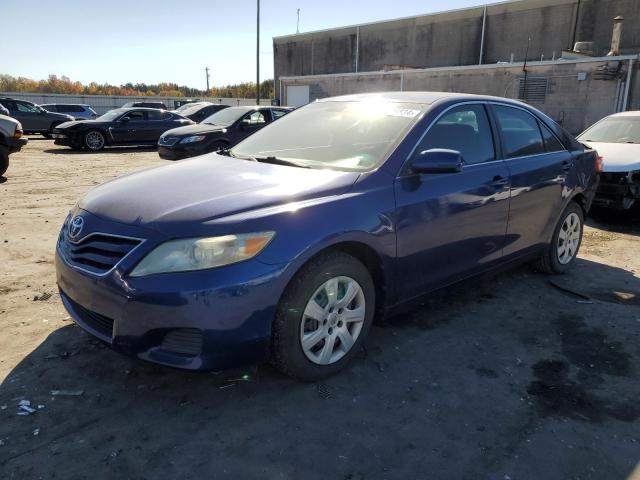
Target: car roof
[426,98]
[632,113]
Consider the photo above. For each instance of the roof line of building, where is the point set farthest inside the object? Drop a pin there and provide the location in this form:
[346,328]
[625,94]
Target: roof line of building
[469,67]
[378,22]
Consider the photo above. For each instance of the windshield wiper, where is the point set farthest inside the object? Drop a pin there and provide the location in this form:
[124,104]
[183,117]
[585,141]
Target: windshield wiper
[279,161]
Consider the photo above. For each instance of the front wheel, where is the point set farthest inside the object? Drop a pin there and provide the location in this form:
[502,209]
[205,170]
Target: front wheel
[323,317]
[566,241]
[94,140]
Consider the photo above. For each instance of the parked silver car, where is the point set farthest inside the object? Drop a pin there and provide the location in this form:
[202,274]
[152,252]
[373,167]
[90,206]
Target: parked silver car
[78,111]
[34,119]
[11,140]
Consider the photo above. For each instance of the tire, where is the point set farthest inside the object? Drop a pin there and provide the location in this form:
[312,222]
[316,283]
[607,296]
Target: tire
[556,259]
[53,125]
[4,159]
[94,140]
[336,322]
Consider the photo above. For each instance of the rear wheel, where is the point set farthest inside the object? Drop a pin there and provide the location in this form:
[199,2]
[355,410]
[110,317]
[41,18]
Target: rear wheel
[94,140]
[566,241]
[4,159]
[323,317]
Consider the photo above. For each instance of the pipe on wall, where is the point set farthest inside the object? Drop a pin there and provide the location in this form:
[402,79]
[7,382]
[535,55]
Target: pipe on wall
[357,46]
[484,29]
[627,87]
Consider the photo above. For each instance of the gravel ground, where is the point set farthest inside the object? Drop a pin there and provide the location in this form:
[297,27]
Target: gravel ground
[517,376]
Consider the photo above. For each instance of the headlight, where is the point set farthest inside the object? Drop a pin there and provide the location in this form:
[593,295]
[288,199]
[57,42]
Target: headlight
[202,253]
[195,138]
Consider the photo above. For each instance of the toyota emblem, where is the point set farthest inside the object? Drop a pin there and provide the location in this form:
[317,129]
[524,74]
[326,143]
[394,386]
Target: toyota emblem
[75,227]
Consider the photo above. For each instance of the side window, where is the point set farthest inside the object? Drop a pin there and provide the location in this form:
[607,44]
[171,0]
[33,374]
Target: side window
[50,108]
[520,132]
[464,128]
[551,143]
[276,114]
[135,116]
[154,115]
[165,116]
[256,118]
[26,107]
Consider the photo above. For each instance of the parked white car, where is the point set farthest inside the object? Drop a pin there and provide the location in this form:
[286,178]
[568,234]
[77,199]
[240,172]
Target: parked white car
[617,140]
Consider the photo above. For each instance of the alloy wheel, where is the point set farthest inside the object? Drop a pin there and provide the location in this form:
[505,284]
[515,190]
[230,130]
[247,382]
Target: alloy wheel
[332,320]
[569,238]
[94,140]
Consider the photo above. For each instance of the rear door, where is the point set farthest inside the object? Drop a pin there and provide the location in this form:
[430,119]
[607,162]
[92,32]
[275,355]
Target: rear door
[538,164]
[451,225]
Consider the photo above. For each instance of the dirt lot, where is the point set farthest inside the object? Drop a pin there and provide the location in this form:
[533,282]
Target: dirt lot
[508,377]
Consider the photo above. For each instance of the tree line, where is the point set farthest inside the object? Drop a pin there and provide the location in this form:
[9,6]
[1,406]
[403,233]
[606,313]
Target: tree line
[63,84]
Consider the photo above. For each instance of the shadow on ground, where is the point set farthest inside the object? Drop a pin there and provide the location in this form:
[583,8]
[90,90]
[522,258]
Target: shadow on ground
[504,377]
[69,151]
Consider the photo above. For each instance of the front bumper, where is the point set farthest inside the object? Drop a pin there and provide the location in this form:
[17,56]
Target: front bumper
[203,320]
[16,144]
[619,191]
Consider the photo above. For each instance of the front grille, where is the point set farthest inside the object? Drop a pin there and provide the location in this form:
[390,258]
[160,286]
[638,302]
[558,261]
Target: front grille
[168,141]
[186,341]
[96,253]
[99,323]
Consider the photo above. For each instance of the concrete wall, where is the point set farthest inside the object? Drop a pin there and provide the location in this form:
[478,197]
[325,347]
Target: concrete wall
[104,103]
[573,102]
[453,38]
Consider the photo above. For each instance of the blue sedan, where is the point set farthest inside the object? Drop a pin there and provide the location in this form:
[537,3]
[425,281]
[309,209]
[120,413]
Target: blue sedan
[288,245]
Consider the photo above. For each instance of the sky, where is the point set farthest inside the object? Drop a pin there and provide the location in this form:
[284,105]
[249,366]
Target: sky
[152,41]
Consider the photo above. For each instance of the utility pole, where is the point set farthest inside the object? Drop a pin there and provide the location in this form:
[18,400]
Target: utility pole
[258,54]
[298,23]
[206,70]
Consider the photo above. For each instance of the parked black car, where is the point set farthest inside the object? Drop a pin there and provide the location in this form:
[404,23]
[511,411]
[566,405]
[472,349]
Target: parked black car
[122,126]
[34,119]
[200,111]
[221,130]
[159,105]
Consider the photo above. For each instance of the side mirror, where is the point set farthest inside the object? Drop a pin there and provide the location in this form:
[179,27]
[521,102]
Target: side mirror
[125,119]
[246,122]
[437,160]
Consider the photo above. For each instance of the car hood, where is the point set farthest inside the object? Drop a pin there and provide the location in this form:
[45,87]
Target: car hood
[617,157]
[75,123]
[206,189]
[196,129]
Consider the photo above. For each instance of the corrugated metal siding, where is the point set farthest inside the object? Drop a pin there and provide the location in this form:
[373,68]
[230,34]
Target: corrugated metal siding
[104,103]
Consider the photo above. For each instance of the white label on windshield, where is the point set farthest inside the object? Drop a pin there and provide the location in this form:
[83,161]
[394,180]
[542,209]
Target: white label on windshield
[402,112]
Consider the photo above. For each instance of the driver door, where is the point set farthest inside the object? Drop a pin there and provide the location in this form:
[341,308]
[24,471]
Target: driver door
[29,116]
[251,122]
[128,127]
[450,225]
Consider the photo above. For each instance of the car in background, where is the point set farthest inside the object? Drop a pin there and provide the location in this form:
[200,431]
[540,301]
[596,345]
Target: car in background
[200,110]
[288,244]
[34,119]
[617,140]
[122,126]
[221,130]
[3,110]
[77,111]
[11,140]
[159,105]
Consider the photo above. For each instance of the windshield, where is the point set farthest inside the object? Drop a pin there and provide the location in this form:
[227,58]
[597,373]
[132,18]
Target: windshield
[353,136]
[227,116]
[111,115]
[625,129]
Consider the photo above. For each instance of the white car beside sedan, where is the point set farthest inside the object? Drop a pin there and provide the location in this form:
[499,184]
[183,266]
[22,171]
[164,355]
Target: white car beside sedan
[617,140]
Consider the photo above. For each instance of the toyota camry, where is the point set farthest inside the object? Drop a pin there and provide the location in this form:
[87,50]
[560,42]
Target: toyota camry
[288,245]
